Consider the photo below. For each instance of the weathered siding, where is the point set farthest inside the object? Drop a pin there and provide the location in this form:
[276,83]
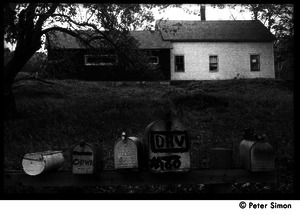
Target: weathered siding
[65,63]
[233,58]
[63,60]
[164,62]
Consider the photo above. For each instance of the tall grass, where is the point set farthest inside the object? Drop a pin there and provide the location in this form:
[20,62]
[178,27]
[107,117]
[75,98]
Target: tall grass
[215,113]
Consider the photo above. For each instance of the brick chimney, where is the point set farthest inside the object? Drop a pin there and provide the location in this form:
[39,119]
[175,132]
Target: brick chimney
[202,12]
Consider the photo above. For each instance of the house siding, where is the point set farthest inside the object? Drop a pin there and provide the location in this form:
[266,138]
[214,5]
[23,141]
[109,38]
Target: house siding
[164,62]
[118,72]
[75,60]
[233,60]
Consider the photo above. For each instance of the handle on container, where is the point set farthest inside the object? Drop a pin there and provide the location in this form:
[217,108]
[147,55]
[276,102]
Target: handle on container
[123,137]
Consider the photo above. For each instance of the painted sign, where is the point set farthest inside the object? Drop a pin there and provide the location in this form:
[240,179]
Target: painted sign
[169,141]
[165,162]
[82,159]
[169,146]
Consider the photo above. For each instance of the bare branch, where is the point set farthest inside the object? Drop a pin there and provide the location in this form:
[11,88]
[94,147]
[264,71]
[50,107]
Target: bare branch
[72,33]
[46,15]
[86,42]
[89,17]
[42,19]
[31,9]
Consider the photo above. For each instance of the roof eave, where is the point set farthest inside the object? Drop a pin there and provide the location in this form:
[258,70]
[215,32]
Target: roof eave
[78,48]
[216,40]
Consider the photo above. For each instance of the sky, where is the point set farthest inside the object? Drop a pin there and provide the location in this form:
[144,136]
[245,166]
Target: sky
[211,13]
[180,14]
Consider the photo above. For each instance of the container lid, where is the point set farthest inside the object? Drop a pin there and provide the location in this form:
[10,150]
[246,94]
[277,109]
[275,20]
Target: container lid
[33,164]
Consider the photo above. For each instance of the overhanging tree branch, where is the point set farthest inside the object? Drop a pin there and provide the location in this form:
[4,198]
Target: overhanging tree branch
[42,19]
[72,33]
[85,24]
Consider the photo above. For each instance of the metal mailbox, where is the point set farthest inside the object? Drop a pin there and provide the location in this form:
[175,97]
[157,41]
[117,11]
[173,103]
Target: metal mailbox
[86,158]
[168,146]
[256,155]
[40,162]
[128,153]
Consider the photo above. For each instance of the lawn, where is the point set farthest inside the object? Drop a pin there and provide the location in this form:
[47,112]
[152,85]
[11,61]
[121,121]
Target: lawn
[57,116]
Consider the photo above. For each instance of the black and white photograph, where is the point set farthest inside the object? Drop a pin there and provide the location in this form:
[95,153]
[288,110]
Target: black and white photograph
[149,101]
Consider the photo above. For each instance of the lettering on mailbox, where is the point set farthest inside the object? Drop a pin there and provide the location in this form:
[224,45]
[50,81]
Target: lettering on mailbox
[126,158]
[82,161]
[169,141]
[165,162]
[126,155]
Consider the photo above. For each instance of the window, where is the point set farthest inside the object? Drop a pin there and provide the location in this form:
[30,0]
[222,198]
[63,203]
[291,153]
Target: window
[179,63]
[100,59]
[254,62]
[213,63]
[153,60]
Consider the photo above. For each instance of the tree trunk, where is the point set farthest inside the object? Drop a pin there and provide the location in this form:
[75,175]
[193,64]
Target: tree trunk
[255,15]
[28,42]
[9,105]
[11,69]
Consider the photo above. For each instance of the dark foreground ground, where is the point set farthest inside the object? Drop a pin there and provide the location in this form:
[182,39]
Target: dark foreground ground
[57,116]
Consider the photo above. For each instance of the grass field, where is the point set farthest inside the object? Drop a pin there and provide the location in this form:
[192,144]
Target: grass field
[56,117]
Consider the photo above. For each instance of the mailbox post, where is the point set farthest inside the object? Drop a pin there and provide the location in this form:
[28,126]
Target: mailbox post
[168,146]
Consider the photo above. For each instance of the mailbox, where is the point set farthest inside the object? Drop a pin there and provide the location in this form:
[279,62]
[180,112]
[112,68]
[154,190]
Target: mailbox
[168,146]
[128,153]
[256,155]
[86,158]
[39,162]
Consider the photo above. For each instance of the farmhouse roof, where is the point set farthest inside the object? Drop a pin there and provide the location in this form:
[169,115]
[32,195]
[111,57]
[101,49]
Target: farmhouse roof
[150,40]
[214,31]
[145,39]
[168,31]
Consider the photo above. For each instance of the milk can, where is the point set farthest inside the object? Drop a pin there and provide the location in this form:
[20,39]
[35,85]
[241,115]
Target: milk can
[128,153]
[87,158]
[168,146]
[256,155]
[40,162]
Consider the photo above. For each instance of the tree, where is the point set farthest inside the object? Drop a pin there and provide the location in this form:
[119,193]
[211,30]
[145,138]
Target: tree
[26,23]
[279,19]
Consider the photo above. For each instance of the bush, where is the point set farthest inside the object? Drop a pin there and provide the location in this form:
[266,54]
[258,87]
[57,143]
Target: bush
[59,70]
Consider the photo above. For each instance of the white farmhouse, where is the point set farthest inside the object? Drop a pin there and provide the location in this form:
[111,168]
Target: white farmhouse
[211,50]
[182,50]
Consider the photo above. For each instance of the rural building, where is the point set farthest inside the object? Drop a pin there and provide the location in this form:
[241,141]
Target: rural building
[104,63]
[206,50]
[184,50]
